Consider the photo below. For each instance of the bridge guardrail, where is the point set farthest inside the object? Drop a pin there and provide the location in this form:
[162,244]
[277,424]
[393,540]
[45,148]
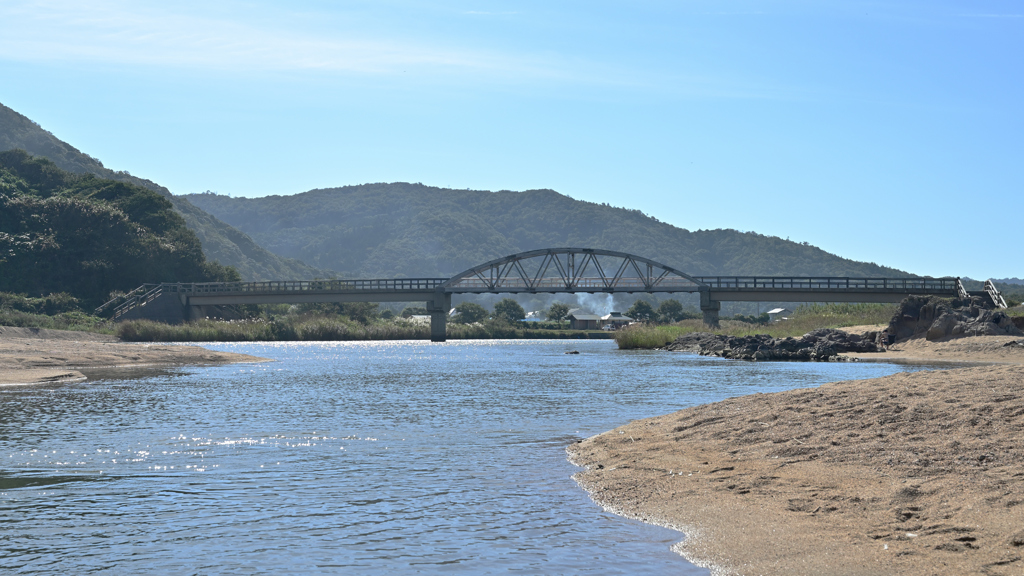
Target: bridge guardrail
[596,283]
[141,296]
[924,285]
[278,286]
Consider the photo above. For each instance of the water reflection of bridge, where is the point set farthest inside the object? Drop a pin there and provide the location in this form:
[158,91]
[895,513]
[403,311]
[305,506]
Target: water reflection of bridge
[552,270]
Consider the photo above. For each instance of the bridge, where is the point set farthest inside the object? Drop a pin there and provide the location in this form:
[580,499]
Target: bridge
[551,270]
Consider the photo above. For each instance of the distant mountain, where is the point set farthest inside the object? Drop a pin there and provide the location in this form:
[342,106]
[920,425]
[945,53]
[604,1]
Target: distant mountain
[220,242]
[386,230]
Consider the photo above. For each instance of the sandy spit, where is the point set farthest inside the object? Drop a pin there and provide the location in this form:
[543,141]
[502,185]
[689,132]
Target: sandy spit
[32,356]
[917,473]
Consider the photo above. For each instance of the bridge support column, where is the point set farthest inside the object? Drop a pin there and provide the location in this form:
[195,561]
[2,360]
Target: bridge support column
[710,308]
[438,309]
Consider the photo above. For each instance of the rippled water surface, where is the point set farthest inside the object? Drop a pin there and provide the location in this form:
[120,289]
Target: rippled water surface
[398,457]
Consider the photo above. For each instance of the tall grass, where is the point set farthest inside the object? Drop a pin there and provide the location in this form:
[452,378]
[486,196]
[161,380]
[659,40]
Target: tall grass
[323,328]
[805,319]
[78,321]
[647,337]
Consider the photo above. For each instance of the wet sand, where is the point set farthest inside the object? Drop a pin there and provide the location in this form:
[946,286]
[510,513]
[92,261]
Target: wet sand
[32,356]
[917,473]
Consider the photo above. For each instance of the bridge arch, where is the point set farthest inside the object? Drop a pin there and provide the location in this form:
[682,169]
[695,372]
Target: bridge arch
[571,270]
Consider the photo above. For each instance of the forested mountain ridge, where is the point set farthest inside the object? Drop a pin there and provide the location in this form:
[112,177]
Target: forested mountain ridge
[89,236]
[220,242]
[391,229]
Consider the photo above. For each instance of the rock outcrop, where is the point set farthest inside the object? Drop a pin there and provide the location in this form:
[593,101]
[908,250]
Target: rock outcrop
[823,345]
[938,319]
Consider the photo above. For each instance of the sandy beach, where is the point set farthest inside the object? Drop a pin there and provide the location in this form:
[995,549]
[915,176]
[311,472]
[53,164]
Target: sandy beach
[32,356]
[916,473]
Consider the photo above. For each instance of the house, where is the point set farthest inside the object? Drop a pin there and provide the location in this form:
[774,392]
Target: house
[778,314]
[579,320]
[615,320]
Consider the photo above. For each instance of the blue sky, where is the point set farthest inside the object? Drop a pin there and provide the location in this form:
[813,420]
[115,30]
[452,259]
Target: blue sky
[888,132]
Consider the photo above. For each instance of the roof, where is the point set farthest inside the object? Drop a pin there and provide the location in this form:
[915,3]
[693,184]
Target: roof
[616,316]
[593,317]
[779,310]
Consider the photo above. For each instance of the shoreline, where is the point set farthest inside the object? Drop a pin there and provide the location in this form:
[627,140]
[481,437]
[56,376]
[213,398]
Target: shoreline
[31,356]
[913,473]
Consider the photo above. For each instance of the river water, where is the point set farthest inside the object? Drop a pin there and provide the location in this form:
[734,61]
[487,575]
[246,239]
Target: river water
[344,457]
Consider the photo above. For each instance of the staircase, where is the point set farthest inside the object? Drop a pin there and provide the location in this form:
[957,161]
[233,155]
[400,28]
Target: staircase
[993,293]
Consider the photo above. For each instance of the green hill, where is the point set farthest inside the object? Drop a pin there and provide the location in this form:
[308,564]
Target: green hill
[385,230]
[89,236]
[220,242]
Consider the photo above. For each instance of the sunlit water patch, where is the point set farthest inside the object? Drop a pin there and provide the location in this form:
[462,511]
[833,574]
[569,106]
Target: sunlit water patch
[405,457]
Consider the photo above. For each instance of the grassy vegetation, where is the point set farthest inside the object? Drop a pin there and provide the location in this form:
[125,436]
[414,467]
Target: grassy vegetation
[79,321]
[54,312]
[324,328]
[804,319]
[648,336]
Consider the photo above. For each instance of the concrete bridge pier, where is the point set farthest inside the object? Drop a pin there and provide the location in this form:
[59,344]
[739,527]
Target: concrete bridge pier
[438,309]
[710,308]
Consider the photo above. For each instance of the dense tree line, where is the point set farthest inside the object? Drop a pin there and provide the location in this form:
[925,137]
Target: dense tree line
[88,236]
[220,242]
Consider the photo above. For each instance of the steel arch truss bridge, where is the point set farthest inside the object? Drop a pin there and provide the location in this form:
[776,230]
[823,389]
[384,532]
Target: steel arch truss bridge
[551,270]
[571,270]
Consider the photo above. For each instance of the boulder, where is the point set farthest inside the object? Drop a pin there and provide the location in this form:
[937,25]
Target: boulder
[819,345]
[938,319]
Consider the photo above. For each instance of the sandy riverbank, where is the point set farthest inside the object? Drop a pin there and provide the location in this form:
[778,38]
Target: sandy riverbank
[917,473]
[30,355]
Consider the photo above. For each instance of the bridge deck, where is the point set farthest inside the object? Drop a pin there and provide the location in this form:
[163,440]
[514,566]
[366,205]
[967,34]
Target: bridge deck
[545,271]
[720,288]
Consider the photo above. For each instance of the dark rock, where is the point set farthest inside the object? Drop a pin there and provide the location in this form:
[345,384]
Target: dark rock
[938,319]
[821,345]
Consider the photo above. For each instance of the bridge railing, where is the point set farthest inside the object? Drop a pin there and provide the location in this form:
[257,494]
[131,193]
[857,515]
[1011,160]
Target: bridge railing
[304,286]
[582,284]
[923,285]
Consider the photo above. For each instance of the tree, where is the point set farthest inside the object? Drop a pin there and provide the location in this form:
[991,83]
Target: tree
[641,311]
[362,312]
[557,312]
[670,311]
[410,311]
[468,312]
[509,310]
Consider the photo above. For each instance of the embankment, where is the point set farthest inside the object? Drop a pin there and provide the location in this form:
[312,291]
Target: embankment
[31,355]
[915,473]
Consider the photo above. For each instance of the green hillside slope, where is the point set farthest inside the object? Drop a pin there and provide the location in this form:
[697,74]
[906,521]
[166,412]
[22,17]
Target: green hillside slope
[384,230]
[220,242]
[89,236]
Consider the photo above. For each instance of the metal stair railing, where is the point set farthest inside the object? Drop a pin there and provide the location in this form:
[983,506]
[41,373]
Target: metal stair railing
[124,297]
[961,292]
[139,299]
[994,294]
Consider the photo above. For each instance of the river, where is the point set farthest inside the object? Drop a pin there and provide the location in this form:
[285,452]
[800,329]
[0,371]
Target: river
[349,457]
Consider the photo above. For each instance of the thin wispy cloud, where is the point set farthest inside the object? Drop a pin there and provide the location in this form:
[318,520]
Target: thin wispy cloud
[255,41]
[121,33]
